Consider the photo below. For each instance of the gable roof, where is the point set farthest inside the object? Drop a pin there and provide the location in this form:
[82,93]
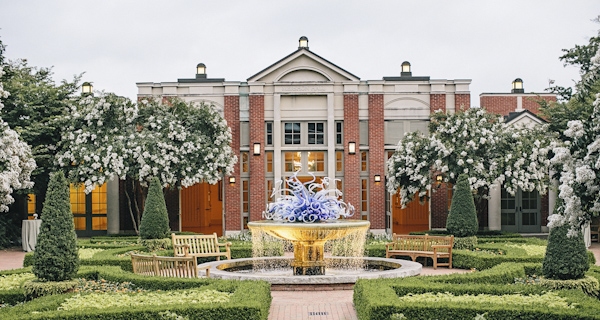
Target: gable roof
[309,54]
[516,116]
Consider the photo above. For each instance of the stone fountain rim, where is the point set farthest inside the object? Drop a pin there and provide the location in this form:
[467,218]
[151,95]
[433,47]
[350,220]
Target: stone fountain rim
[334,224]
[407,269]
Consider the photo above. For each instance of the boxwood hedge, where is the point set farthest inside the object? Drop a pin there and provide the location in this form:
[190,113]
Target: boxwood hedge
[249,300]
[379,299]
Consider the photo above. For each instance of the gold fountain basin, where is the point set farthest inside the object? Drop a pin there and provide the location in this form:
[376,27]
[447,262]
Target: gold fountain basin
[318,231]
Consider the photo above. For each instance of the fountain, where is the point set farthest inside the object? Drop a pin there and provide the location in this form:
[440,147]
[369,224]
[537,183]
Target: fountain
[309,215]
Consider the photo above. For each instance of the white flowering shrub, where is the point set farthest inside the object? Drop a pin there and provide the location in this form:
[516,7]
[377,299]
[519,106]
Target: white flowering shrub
[182,143]
[95,142]
[578,161]
[409,168]
[179,142]
[523,161]
[16,161]
[473,142]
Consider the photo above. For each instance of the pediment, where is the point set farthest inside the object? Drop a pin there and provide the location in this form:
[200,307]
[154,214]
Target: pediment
[303,66]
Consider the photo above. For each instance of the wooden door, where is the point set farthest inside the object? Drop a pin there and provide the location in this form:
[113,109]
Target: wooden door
[202,208]
[415,217]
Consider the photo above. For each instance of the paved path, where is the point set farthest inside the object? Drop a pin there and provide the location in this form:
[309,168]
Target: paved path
[290,305]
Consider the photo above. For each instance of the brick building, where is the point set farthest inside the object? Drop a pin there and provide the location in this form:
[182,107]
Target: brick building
[526,212]
[305,113]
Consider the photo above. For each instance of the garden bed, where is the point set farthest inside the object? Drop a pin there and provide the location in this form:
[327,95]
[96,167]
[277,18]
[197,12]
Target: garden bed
[144,297]
[492,293]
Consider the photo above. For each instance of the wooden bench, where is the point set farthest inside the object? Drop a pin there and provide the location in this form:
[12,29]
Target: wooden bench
[180,267]
[421,246]
[200,246]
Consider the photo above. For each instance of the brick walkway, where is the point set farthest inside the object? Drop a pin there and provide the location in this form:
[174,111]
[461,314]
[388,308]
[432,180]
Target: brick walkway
[290,305]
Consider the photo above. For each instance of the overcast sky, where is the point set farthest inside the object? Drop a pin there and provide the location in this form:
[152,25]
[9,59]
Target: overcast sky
[119,43]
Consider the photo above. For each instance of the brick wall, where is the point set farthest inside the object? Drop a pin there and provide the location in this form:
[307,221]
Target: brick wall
[256,185]
[439,205]
[505,104]
[462,100]
[531,103]
[233,207]
[351,161]
[545,210]
[376,161]
[437,102]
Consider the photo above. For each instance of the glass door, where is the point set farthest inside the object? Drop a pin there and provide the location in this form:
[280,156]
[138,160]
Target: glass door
[521,212]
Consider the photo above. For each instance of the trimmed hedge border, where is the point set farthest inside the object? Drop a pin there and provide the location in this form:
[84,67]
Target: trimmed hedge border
[107,257]
[378,299]
[250,299]
[468,259]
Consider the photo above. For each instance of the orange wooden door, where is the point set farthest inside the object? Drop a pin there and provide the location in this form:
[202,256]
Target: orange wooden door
[202,208]
[415,217]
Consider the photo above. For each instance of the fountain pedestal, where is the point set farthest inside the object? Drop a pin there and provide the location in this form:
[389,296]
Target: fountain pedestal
[309,258]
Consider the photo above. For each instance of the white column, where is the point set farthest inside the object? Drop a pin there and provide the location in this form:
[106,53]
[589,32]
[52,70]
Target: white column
[331,161]
[277,137]
[519,104]
[495,207]
[112,206]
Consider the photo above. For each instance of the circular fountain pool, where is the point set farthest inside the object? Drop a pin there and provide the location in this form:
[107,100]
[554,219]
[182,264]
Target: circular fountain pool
[280,273]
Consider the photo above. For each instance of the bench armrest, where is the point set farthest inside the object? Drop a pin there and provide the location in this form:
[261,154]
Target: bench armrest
[224,244]
[435,246]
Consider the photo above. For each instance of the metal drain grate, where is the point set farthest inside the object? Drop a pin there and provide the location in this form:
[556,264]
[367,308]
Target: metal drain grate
[318,313]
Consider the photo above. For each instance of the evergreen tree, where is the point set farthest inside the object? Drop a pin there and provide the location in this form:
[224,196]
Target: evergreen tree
[56,255]
[462,219]
[155,219]
[566,257]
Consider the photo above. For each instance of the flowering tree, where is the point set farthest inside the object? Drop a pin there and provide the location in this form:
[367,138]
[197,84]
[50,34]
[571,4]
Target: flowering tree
[475,143]
[578,161]
[179,142]
[16,161]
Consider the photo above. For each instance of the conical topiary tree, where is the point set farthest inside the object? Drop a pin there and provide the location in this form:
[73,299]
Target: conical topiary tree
[155,219]
[56,255]
[462,219]
[566,257]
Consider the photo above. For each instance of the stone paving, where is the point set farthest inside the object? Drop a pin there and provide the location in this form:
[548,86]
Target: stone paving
[290,305]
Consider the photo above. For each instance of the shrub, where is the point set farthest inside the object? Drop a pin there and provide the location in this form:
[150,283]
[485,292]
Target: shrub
[248,299]
[566,257]
[35,288]
[155,219]
[156,244]
[464,243]
[55,257]
[587,284]
[487,292]
[462,218]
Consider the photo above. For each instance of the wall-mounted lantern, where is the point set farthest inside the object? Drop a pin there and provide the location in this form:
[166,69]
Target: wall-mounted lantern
[303,43]
[256,150]
[377,178]
[351,147]
[231,180]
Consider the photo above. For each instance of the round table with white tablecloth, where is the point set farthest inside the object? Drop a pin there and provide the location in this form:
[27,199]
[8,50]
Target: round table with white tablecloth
[29,234]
